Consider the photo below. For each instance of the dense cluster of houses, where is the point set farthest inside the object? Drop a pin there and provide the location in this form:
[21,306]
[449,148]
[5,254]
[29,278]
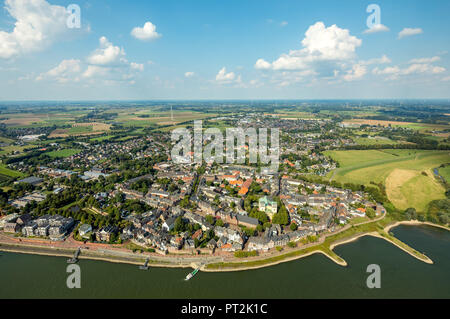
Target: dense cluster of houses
[54,227]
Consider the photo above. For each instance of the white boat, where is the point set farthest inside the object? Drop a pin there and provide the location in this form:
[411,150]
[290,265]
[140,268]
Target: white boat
[192,274]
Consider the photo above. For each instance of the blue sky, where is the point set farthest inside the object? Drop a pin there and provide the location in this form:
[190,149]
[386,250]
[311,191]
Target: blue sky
[233,49]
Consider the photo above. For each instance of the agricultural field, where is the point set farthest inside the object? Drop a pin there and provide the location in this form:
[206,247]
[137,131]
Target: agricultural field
[63,153]
[445,173]
[421,127]
[375,141]
[145,118]
[9,173]
[81,129]
[407,174]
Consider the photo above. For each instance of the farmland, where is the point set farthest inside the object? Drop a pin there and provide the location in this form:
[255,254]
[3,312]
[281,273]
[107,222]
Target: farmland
[407,174]
[445,173]
[8,172]
[63,153]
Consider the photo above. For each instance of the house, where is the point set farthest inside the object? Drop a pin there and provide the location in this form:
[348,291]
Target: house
[84,230]
[268,205]
[44,230]
[197,235]
[207,208]
[29,230]
[105,233]
[169,224]
[212,244]
[247,221]
[189,244]
[11,228]
[259,243]
[8,219]
[23,219]
[31,180]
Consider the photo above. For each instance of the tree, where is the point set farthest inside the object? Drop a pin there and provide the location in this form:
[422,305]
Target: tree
[410,213]
[210,219]
[180,225]
[219,223]
[370,212]
[293,227]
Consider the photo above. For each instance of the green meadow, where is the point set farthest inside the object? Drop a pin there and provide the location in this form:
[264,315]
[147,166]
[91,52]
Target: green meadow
[63,153]
[407,174]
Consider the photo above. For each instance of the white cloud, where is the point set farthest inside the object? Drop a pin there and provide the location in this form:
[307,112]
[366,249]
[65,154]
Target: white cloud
[107,54]
[148,32]
[284,23]
[261,64]
[394,72]
[445,79]
[383,60]
[189,74]
[387,70]
[107,63]
[321,44]
[426,60]
[137,66]
[95,71]
[377,28]
[225,77]
[37,25]
[67,70]
[406,32]
[357,72]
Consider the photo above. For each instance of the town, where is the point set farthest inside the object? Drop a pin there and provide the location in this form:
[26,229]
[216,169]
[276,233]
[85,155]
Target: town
[128,192]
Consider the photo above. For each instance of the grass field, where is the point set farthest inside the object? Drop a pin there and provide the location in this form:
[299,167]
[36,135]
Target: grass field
[9,172]
[374,141]
[64,153]
[399,170]
[445,173]
[422,127]
[159,118]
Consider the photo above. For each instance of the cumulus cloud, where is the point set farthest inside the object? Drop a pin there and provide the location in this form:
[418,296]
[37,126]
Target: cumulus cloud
[417,68]
[406,32]
[37,25]
[225,77]
[107,63]
[326,53]
[261,64]
[426,60]
[189,74]
[137,66]
[321,45]
[383,60]
[357,72]
[107,54]
[377,28]
[67,70]
[146,33]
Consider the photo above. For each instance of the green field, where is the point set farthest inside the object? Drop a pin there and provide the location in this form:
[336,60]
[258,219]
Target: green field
[9,172]
[445,173]
[64,153]
[374,141]
[407,174]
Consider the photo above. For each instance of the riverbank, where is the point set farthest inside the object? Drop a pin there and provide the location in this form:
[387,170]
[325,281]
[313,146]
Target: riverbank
[234,264]
[43,251]
[414,223]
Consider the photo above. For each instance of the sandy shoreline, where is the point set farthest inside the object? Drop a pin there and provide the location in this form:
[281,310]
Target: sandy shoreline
[344,263]
[414,223]
[59,253]
[139,259]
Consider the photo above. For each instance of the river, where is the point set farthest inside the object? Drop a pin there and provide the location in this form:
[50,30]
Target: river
[402,276]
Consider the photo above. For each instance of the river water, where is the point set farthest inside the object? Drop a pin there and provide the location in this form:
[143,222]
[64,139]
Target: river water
[402,276]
